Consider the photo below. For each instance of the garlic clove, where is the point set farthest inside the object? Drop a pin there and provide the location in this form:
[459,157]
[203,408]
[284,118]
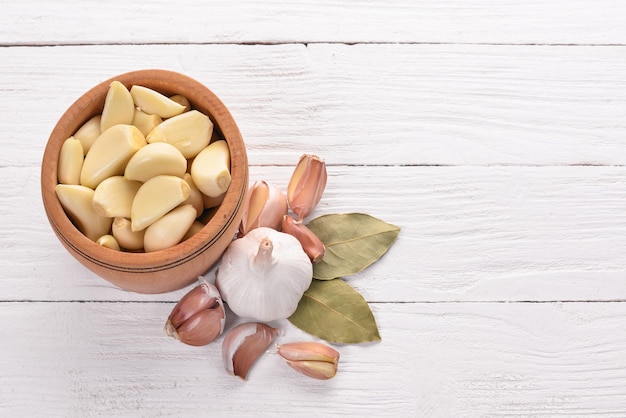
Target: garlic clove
[199,317]
[70,161]
[310,351]
[108,241]
[210,169]
[110,153]
[195,227]
[154,103]
[89,132]
[145,122]
[265,206]
[312,359]
[311,244]
[155,159]
[155,198]
[119,107]
[76,201]
[114,196]
[169,229]
[212,202]
[190,132]
[316,369]
[244,344]
[306,185]
[125,236]
[195,195]
[182,100]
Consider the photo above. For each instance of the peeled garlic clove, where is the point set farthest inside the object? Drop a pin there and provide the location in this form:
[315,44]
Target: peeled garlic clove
[182,100]
[195,195]
[145,122]
[76,200]
[154,103]
[311,244]
[193,230]
[125,236]
[155,159]
[190,132]
[110,153]
[114,196]
[108,241]
[155,198]
[169,229]
[118,107]
[306,185]
[89,132]
[199,317]
[244,344]
[210,169]
[70,161]
[212,202]
[265,206]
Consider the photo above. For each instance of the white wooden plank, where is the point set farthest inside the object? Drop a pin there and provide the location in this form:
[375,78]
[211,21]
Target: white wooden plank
[457,21]
[113,359]
[468,233]
[361,104]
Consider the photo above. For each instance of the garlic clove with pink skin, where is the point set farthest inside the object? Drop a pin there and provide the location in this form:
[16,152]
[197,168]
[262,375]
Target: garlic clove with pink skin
[263,275]
[312,359]
[306,185]
[265,206]
[311,244]
[199,317]
[244,344]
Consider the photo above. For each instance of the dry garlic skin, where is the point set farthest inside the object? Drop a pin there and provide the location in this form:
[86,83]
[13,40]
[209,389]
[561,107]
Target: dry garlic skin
[190,132]
[110,153]
[155,159]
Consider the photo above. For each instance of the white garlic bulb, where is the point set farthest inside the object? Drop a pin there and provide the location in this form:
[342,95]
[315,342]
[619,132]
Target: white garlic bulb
[264,274]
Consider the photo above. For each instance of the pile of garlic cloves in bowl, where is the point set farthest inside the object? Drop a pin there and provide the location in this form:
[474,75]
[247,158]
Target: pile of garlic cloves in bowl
[262,277]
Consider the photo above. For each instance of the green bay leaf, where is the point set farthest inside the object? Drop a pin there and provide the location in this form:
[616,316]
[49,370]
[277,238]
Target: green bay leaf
[334,311]
[353,242]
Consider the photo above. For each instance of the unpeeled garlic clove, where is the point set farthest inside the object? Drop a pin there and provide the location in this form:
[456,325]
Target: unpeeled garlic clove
[265,206]
[244,344]
[155,159]
[154,103]
[155,198]
[312,359]
[110,153]
[190,132]
[119,107]
[210,169]
[311,244]
[76,201]
[169,229]
[70,161]
[199,317]
[306,185]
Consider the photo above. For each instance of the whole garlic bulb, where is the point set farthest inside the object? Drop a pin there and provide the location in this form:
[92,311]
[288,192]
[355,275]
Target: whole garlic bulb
[264,274]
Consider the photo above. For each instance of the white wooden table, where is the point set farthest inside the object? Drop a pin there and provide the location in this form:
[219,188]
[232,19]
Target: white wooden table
[492,132]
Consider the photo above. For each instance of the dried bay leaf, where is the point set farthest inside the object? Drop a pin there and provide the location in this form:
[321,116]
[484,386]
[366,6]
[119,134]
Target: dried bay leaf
[334,311]
[353,241]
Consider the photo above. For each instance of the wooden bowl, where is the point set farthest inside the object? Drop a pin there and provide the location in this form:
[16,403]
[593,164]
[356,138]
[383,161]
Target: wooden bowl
[175,267]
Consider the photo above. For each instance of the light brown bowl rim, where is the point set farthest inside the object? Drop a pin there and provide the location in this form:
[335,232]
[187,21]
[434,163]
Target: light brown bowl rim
[201,98]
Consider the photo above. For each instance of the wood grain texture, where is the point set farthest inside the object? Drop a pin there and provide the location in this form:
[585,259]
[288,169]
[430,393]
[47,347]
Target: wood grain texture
[434,21]
[467,233]
[361,104]
[472,359]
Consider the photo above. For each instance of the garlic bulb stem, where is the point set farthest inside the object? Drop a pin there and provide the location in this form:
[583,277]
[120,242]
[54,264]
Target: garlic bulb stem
[263,258]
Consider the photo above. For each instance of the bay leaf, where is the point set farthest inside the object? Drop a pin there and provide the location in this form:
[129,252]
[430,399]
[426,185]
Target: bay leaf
[334,311]
[353,242]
